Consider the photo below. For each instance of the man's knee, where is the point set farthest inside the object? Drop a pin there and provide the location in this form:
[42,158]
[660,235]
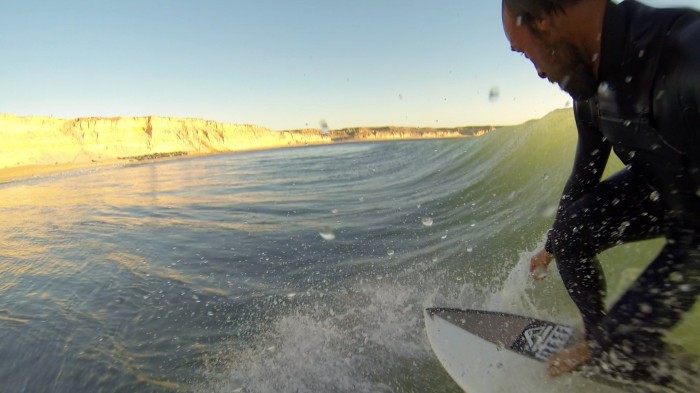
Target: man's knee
[570,238]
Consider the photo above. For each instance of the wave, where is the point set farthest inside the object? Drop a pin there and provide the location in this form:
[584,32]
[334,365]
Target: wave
[489,201]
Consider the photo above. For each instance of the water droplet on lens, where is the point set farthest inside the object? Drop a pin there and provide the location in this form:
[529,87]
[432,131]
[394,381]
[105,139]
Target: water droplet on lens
[549,211]
[324,128]
[494,94]
[565,82]
[327,235]
[675,277]
[427,221]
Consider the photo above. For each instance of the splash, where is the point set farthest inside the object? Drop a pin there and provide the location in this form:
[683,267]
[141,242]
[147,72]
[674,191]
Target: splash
[368,337]
[353,341]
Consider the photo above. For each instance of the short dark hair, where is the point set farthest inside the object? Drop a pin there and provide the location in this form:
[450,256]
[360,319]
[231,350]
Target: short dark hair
[528,10]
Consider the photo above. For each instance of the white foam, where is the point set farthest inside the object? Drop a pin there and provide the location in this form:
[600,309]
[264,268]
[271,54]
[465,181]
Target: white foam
[347,347]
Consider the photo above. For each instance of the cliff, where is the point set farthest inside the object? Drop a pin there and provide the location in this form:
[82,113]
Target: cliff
[48,141]
[44,141]
[394,133]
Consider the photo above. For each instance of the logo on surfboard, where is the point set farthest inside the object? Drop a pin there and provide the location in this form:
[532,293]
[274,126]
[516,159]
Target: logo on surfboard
[542,341]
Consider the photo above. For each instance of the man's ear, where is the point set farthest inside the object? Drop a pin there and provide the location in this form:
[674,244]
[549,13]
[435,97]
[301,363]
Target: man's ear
[542,24]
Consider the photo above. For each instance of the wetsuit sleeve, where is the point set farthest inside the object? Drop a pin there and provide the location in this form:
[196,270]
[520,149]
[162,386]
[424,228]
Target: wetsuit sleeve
[592,153]
[677,94]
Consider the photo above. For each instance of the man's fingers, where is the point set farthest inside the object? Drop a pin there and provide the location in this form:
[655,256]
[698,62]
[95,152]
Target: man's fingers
[539,273]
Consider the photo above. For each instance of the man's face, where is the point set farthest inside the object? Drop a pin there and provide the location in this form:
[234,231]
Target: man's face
[553,57]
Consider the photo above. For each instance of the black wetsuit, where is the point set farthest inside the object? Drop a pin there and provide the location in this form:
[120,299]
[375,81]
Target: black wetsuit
[647,111]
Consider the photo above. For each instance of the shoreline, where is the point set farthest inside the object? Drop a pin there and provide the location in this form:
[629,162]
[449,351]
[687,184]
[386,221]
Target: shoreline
[33,171]
[38,146]
[26,172]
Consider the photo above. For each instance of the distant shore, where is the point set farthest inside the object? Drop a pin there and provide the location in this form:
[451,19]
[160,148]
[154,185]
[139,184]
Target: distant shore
[40,146]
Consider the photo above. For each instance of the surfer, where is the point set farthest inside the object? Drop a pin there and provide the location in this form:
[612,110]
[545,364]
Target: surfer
[634,74]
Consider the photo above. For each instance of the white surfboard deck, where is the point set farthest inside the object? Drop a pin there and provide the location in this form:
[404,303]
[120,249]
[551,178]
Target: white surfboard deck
[493,352]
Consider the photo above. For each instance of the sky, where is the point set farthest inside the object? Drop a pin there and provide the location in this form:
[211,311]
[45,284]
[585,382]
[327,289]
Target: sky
[281,64]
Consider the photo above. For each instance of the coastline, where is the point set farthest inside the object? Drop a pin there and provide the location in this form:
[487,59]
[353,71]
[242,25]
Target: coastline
[42,146]
[25,172]
[9,175]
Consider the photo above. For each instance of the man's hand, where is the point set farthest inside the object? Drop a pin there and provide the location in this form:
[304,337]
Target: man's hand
[568,360]
[539,264]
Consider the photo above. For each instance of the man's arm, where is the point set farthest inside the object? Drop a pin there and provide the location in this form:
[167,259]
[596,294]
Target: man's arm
[677,94]
[592,153]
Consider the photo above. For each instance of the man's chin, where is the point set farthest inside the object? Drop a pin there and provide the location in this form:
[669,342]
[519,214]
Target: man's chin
[580,94]
[579,85]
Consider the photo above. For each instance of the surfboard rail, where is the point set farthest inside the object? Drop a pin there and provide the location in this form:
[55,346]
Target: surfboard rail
[535,338]
[497,352]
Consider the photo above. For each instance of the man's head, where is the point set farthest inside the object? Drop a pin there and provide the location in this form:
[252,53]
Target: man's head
[530,10]
[542,32]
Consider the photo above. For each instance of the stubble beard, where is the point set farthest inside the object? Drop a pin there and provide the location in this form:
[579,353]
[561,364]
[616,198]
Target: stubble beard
[577,78]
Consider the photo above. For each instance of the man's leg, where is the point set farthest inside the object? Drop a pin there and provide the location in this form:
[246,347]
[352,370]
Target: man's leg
[654,304]
[620,209]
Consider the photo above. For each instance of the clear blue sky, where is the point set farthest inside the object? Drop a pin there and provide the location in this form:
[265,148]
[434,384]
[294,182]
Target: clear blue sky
[280,64]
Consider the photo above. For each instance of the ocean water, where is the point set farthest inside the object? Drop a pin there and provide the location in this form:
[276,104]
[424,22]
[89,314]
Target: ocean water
[295,270]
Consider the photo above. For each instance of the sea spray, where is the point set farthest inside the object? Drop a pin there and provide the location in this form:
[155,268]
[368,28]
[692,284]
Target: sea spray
[334,343]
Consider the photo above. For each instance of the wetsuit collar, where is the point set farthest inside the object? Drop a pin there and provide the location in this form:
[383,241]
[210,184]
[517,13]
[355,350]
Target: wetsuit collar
[612,42]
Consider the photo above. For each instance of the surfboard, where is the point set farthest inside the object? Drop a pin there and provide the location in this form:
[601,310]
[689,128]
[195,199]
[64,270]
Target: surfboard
[495,352]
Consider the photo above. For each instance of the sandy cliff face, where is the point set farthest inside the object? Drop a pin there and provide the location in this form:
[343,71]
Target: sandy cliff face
[47,141]
[394,133]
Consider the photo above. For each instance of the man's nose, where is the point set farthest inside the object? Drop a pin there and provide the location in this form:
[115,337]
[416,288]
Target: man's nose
[541,73]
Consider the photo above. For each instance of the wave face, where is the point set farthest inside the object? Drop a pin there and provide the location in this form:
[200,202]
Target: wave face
[297,270]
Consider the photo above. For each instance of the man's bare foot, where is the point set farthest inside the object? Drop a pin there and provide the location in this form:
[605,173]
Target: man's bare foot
[568,360]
